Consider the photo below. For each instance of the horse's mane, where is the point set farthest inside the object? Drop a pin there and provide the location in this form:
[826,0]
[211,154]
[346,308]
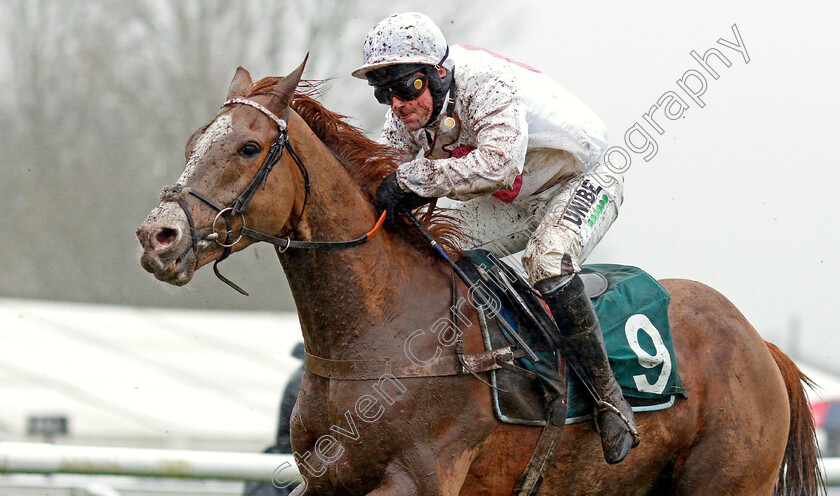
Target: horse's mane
[367,161]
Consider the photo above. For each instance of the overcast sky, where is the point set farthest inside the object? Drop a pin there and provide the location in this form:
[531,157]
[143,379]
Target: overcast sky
[740,192]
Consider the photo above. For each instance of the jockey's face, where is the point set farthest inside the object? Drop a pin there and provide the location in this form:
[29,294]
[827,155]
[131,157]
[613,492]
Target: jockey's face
[415,113]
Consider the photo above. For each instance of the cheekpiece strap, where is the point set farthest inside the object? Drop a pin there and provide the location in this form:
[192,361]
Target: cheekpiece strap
[244,101]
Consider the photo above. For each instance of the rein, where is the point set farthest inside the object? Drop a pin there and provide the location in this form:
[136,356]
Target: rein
[178,193]
[460,363]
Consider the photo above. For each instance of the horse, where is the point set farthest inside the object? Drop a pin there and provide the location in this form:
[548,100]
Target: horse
[363,292]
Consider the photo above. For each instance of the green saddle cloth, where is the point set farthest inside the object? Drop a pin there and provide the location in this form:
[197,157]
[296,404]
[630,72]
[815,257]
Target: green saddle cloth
[633,313]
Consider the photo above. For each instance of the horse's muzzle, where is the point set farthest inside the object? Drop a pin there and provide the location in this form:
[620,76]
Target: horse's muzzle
[167,250]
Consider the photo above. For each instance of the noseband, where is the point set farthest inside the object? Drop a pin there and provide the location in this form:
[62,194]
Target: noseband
[178,193]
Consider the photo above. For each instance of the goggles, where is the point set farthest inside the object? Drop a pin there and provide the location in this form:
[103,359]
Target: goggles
[404,89]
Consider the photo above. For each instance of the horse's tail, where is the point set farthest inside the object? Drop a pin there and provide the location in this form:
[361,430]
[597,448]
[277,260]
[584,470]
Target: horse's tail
[800,473]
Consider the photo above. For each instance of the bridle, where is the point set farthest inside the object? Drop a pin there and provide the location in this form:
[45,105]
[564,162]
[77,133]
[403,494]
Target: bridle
[178,193]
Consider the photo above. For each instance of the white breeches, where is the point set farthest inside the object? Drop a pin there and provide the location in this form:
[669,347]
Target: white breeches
[569,218]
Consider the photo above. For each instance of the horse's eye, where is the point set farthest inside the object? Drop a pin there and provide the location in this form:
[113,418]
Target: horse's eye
[249,150]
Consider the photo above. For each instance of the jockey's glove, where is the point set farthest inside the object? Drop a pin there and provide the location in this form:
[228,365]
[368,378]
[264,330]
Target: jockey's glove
[391,197]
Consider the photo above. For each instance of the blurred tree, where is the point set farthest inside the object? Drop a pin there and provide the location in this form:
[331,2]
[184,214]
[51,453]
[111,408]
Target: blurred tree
[101,96]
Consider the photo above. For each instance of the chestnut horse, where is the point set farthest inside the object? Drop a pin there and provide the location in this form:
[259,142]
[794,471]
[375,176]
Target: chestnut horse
[745,428]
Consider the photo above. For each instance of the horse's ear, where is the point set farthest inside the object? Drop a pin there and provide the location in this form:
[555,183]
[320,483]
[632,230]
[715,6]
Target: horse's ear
[240,84]
[284,90]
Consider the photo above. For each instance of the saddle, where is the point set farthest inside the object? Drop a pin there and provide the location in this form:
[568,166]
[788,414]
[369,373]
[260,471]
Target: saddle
[520,395]
[643,361]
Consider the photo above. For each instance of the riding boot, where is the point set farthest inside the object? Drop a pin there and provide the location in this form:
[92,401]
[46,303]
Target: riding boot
[582,343]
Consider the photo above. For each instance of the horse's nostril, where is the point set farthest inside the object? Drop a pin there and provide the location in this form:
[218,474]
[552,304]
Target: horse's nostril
[165,237]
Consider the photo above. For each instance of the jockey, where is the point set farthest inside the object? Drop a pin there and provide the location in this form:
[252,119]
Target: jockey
[520,157]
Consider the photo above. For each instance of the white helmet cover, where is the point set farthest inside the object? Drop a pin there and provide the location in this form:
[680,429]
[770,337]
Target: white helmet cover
[408,38]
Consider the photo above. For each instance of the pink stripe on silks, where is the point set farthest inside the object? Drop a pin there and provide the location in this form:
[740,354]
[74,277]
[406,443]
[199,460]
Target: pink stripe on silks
[508,195]
[520,64]
[462,151]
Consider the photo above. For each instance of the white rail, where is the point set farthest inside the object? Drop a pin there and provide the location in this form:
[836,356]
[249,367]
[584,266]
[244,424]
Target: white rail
[35,458]
[831,470]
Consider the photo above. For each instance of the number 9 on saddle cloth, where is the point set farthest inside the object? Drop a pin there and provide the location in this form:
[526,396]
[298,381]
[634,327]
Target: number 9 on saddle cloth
[633,311]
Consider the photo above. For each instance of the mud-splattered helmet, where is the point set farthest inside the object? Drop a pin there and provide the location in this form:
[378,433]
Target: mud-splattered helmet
[398,44]
[402,45]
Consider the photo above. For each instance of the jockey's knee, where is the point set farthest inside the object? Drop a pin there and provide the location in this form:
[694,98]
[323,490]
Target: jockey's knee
[576,222]
[557,256]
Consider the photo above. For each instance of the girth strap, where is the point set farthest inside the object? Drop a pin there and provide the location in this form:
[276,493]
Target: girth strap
[543,456]
[369,370]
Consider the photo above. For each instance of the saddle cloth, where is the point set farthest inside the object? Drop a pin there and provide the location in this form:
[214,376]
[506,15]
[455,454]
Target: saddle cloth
[633,311]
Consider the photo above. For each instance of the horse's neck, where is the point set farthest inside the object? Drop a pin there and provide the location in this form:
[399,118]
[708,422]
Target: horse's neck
[355,298]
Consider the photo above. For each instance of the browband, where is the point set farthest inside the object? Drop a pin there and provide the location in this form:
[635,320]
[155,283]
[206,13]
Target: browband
[244,101]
